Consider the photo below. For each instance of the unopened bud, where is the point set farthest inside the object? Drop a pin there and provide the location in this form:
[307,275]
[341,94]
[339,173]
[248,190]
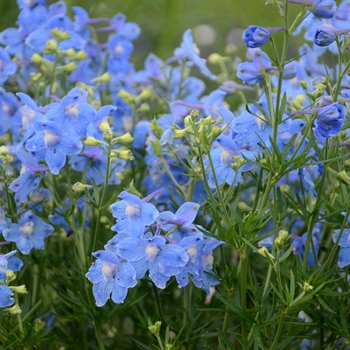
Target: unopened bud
[126,138]
[156,128]
[266,254]
[91,141]
[79,187]
[344,177]
[14,310]
[104,78]
[36,58]
[127,96]
[215,58]
[10,276]
[60,35]
[307,287]
[81,55]
[144,95]
[19,289]
[122,154]
[51,47]
[155,328]
[104,126]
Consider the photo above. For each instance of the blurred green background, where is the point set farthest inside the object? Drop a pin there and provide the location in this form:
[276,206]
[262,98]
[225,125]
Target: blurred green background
[163,22]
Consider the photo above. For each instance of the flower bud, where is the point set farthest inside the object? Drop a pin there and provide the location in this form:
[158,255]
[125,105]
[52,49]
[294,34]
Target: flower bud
[104,126]
[107,135]
[344,177]
[14,310]
[122,154]
[19,289]
[215,58]
[36,58]
[51,47]
[126,138]
[127,96]
[81,55]
[144,95]
[35,77]
[155,328]
[265,253]
[79,187]
[307,287]
[156,128]
[60,35]
[10,276]
[91,141]
[104,78]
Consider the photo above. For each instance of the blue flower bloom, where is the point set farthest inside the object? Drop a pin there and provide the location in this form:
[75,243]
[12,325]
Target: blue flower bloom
[6,296]
[324,36]
[153,254]
[110,275]
[9,262]
[253,72]
[28,233]
[7,67]
[132,214]
[319,8]
[344,243]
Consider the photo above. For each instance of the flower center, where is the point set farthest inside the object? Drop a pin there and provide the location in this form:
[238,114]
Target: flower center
[192,253]
[50,138]
[226,157]
[132,210]
[27,229]
[109,271]
[151,252]
[71,112]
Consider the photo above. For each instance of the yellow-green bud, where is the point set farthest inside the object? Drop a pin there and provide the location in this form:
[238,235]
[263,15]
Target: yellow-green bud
[104,126]
[144,95]
[155,328]
[79,187]
[107,135]
[303,84]
[14,310]
[36,58]
[266,254]
[104,219]
[104,78]
[156,128]
[60,35]
[320,90]
[51,47]
[157,148]
[283,234]
[35,77]
[284,188]
[122,154]
[10,276]
[215,58]
[238,162]
[347,165]
[39,325]
[143,108]
[230,49]
[307,287]
[126,138]
[69,52]
[71,66]
[127,96]
[344,177]
[179,134]
[216,131]
[244,206]
[81,55]
[91,141]
[19,289]
[4,151]
[194,114]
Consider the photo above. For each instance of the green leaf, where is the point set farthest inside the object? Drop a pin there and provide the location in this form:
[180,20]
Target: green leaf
[257,335]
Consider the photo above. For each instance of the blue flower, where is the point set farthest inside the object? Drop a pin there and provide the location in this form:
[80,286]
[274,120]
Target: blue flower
[255,36]
[324,36]
[9,262]
[253,72]
[6,296]
[28,233]
[132,214]
[344,243]
[319,8]
[153,254]
[110,275]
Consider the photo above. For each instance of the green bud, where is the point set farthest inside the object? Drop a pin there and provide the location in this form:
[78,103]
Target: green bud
[126,138]
[10,276]
[122,154]
[81,55]
[194,114]
[215,58]
[283,234]
[143,108]
[127,97]
[157,148]
[156,128]
[79,187]
[71,66]
[19,289]
[35,77]
[36,58]
[14,310]
[155,328]
[51,47]
[344,177]
[265,253]
[244,206]
[307,287]
[144,95]
[39,325]
[91,141]
[104,126]
[179,134]
[347,165]
[304,85]
[104,78]
[60,35]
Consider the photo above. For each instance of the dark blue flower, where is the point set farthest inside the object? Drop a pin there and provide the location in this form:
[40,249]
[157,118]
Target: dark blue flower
[324,36]
[255,36]
[9,262]
[344,243]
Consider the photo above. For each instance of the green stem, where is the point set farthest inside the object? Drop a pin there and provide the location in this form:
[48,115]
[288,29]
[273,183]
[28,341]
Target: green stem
[279,331]
[244,263]
[98,335]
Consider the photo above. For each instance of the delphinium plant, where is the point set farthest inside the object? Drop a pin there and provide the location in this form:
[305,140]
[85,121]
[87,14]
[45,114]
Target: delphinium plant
[140,209]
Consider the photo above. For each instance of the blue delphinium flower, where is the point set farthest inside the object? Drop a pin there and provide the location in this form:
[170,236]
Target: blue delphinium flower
[28,233]
[6,296]
[7,67]
[299,245]
[255,36]
[153,254]
[9,262]
[344,243]
[110,275]
[132,214]
[319,8]
[253,72]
